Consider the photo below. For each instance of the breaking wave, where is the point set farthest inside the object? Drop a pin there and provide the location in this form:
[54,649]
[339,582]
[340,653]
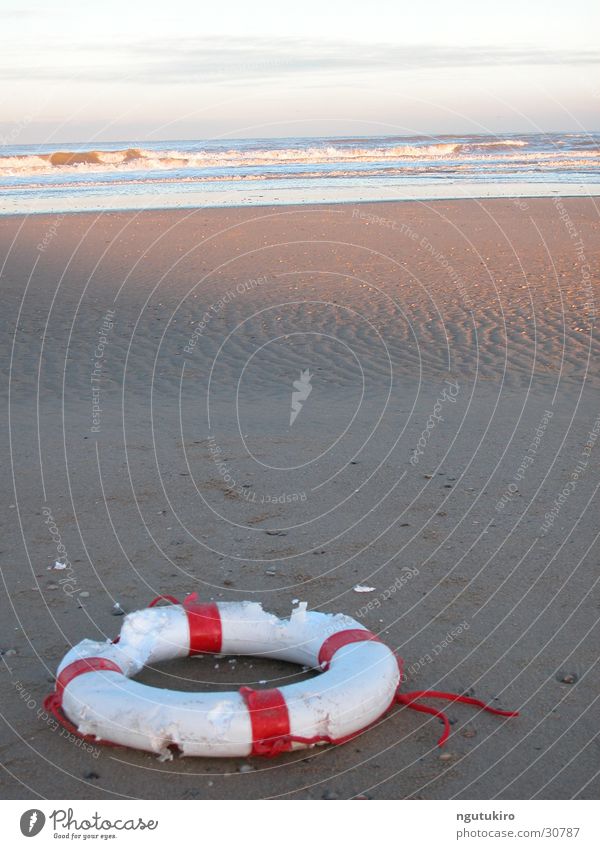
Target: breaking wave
[455,169]
[141,159]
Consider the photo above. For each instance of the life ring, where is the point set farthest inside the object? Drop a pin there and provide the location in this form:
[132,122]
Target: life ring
[96,699]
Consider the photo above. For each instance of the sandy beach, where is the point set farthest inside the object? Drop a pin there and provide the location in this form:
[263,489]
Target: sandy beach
[446,457]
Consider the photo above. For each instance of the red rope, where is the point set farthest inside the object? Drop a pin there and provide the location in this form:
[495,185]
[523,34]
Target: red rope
[409,699]
[158,598]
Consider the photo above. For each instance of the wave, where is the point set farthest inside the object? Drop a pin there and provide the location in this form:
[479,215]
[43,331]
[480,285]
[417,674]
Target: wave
[311,160]
[449,169]
[133,158]
[92,157]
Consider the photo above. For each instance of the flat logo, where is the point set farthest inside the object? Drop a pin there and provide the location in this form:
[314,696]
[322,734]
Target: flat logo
[303,389]
[32,822]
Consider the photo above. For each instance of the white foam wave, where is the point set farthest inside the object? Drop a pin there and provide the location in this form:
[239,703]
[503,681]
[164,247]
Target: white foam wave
[508,168]
[136,159]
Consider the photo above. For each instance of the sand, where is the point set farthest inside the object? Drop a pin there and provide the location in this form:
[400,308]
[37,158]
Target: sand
[446,456]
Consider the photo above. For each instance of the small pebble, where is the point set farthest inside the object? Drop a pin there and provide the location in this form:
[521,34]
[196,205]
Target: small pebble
[84,595]
[468,733]
[569,678]
[246,768]
[91,776]
[270,572]
[446,757]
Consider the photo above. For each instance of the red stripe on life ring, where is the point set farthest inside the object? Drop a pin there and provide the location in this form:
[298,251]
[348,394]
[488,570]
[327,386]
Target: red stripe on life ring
[53,702]
[79,667]
[204,621]
[270,721]
[342,638]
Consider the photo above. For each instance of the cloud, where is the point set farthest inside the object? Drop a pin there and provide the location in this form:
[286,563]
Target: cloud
[194,60]
[19,13]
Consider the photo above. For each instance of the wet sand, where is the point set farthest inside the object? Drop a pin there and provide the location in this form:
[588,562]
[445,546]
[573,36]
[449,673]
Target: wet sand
[446,456]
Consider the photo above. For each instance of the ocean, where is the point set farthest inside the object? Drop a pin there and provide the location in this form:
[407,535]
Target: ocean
[253,172]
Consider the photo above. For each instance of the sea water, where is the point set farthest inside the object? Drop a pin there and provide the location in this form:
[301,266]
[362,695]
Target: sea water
[255,172]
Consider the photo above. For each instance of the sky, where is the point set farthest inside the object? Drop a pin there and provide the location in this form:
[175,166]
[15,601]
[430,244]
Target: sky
[73,70]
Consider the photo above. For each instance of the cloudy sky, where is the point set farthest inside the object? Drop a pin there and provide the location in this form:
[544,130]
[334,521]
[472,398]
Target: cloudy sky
[73,70]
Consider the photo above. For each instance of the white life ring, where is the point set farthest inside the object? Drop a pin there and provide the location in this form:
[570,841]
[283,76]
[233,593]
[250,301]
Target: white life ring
[95,698]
